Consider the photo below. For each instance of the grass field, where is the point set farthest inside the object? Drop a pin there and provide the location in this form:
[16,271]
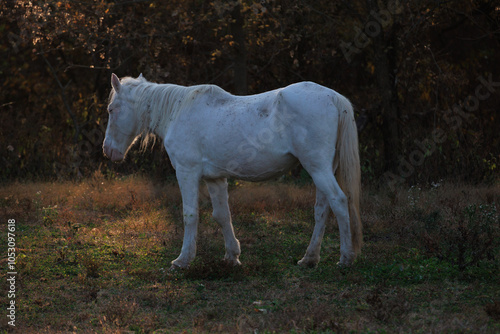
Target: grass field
[93,257]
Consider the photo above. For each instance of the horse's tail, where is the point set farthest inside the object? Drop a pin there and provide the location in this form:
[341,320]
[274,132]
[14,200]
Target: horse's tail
[348,166]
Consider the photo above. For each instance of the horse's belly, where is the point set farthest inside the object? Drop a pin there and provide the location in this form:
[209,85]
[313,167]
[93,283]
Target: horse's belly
[252,167]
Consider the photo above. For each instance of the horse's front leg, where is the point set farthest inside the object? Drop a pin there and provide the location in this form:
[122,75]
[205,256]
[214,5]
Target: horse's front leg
[189,186]
[222,215]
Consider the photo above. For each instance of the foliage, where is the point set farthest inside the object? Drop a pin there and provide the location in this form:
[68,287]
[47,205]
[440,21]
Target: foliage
[57,58]
[467,238]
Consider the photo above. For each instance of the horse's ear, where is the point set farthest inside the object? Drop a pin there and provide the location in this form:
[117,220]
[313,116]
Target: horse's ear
[115,83]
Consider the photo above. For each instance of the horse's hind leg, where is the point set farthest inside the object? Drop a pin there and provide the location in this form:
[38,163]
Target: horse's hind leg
[326,183]
[321,211]
[222,215]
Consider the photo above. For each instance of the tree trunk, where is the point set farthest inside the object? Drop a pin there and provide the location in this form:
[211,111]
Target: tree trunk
[384,75]
[240,53]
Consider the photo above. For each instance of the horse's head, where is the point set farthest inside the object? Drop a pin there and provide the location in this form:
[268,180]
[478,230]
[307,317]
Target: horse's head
[123,125]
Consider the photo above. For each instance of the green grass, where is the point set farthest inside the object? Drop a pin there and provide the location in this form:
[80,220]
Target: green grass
[94,257]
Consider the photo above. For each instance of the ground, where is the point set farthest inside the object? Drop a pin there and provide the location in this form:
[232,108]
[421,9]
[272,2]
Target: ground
[93,257]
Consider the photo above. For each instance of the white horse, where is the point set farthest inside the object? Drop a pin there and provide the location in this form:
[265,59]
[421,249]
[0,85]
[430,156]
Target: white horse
[210,135]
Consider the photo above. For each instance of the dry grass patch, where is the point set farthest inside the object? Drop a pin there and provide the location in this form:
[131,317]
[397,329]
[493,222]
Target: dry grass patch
[93,257]
[269,197]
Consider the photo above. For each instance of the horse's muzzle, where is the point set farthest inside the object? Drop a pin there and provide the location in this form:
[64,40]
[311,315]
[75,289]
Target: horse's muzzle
[113,154]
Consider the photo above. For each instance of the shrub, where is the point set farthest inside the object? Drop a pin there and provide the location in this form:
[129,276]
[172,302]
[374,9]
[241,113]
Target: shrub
[467,238]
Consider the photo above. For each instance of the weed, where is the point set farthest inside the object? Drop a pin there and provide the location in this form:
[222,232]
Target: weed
[91,265]
[469,237]
[62,254]
[49,215]
[120,310]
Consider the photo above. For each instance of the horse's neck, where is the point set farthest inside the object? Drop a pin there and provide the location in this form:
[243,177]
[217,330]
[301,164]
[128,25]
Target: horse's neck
[160,106]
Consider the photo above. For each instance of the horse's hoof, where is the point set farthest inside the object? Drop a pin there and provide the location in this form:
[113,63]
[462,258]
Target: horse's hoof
[175,268]
[345,262]
[306,263]
[232,262]
[343,265]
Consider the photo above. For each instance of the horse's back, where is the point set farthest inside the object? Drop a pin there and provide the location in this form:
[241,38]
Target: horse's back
[302,95]
[309,97]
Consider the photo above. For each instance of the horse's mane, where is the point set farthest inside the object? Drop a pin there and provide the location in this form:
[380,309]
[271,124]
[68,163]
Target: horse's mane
[159,104]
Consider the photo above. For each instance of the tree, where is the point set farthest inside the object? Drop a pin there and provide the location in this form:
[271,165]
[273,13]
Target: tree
[408,67]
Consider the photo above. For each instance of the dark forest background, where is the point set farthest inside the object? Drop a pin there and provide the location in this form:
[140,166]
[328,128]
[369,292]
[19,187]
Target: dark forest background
[424,76]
